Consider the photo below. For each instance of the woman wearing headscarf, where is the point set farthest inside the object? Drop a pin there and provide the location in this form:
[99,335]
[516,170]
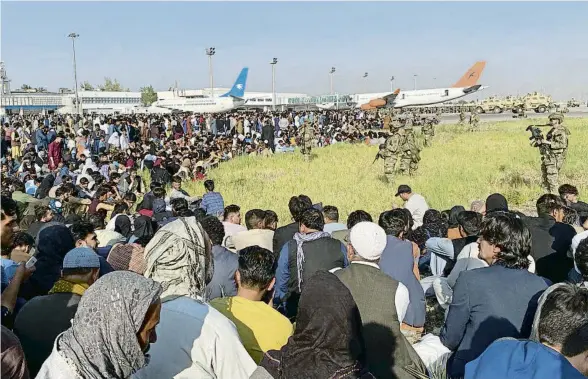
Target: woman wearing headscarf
[179,257]
[143,229]
[53,242]
[123,226]
[45,186]
[111,331]
[89,165]
[327,340]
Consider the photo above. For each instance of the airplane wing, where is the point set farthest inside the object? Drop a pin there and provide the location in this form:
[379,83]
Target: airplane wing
[387,100]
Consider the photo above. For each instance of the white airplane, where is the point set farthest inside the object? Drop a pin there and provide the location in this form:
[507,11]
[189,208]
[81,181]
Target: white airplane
[226,102]
[467,85]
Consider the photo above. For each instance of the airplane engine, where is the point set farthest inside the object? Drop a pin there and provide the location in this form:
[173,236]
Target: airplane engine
[366,107]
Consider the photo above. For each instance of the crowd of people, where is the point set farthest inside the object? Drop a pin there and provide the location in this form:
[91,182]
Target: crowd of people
[106,276]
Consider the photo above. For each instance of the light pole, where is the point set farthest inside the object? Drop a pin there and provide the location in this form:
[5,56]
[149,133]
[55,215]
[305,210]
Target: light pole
[331,77]
[73,37]
[273,63]
[414,80]
[435,82]
[210,52]
[365,75]
[392,84]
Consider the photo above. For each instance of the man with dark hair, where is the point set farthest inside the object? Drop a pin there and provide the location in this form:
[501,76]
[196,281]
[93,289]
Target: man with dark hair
[36,331]
[561,348]
[84,235]
[493,302]
[225,262]
[569,194]
[309,251]
[22,245]
[331,215]
[297,205]
[270,221]
[551,239]
[43,215]
[8,223]
[397,261]
[354,218]
[178,192]
[256,233]
[261,328]
[445,251]
[232,220]
[212,202]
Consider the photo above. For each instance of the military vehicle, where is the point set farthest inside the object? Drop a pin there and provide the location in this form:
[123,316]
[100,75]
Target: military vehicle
[495,104]
[535,101]
[573,103]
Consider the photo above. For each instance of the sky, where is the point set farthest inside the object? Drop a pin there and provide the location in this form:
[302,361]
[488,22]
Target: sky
[527,46]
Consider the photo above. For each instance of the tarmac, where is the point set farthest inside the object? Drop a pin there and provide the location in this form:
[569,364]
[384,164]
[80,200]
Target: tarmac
[506,116]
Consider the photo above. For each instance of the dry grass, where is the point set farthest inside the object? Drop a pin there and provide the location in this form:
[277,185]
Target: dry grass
[460,167]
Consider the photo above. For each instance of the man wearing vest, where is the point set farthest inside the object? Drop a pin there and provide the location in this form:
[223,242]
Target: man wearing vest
[389,354]
[309,251]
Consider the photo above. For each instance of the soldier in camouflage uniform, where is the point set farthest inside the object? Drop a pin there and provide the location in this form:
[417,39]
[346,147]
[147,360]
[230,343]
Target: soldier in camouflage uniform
[306,136]
[410,157]
[462,117]
[390,152]
[429,130]
[553,152]
[474,120]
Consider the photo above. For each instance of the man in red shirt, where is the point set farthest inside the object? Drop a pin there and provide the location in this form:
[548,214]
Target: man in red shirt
[55,152]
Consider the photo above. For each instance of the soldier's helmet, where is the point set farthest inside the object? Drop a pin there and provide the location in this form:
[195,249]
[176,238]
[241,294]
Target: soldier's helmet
[382,146]
[556,117]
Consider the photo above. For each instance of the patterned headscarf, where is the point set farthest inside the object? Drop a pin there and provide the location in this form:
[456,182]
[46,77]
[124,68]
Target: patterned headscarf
[177,258]
[102,341]
[127,257]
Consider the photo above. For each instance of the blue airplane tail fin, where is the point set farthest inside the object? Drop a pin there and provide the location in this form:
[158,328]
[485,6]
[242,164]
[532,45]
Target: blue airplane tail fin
[238,89]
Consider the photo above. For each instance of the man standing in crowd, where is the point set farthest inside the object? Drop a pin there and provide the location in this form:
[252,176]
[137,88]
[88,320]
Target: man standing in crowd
[261,328]
[232,220]
[415,203]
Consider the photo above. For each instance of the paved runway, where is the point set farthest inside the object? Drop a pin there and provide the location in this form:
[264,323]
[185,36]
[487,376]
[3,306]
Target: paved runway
[491,117]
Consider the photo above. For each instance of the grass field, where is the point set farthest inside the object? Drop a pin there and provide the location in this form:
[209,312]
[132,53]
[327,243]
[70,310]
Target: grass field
[460,167]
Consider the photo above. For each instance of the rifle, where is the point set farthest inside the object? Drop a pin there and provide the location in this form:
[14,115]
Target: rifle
[378,155]
[537,137]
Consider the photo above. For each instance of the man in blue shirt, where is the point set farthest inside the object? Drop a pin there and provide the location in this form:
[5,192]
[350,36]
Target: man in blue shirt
[212,202]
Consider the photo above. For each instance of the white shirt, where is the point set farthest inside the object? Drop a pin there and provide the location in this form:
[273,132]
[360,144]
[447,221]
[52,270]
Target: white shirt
[195,340]
[260,237]
[401,300]
[417,205]
[232,229]
[575,242]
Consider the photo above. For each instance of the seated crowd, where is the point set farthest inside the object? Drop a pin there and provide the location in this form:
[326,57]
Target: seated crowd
[176,286]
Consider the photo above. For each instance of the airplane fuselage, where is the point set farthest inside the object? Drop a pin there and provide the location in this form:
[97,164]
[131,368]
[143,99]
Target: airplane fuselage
[201,105]
[419,97]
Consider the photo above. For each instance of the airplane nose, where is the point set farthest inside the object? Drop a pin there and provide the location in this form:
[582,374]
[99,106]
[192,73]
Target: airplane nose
[472,89]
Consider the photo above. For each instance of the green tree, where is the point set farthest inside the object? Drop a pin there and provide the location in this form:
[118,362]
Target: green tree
[41,89]
[25,87]
[148,95]
[112,86]
[86,86]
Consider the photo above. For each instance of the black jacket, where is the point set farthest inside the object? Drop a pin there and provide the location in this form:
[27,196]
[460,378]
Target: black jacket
[284,234]
[550,242]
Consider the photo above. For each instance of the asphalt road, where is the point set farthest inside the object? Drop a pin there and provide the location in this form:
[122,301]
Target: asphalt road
[491,117]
